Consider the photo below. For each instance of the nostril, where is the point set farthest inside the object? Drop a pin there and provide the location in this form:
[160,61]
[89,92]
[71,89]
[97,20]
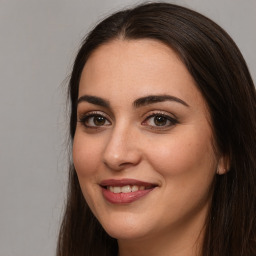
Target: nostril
[121,163]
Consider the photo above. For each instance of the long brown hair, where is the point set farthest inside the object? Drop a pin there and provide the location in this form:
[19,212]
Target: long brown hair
[221,74]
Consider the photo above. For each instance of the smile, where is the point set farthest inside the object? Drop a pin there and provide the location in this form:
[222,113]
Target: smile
[125,191]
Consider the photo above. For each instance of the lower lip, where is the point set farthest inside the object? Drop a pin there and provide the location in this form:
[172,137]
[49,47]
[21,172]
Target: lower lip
[124,198]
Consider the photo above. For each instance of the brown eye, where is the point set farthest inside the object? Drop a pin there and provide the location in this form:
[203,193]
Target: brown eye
[160,120]
[99,120]
[94,120]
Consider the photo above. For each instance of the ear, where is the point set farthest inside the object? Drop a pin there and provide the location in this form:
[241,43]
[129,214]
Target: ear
[223,165]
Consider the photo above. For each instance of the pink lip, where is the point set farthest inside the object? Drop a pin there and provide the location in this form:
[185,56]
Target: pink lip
[123,182]
[125,198]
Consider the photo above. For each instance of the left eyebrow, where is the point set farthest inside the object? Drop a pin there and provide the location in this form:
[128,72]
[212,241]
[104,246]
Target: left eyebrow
[151,99]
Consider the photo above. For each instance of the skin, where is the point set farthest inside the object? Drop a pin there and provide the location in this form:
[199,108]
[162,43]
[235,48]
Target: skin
[178,156]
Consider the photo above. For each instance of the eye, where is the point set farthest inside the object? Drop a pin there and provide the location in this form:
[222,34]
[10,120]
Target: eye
[159,120]
[94,120]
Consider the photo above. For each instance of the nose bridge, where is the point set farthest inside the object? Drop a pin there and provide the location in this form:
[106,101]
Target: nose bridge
[122,148]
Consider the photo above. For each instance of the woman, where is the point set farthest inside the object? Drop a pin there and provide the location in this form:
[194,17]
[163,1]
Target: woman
[163,132]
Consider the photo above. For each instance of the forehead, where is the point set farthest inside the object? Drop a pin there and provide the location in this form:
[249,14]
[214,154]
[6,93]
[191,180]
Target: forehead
[136,68]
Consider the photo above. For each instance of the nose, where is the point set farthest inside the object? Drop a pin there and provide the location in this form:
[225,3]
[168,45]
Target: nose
[122,149]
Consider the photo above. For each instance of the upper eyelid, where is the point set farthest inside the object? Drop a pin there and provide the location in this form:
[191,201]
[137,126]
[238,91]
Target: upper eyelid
[172,119]
[160,112]
[91,113]
[168,117]
[83,109]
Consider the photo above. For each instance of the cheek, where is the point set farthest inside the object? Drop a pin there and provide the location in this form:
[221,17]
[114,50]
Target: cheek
[86,155]
[86,158]
[187,165]
[188,153]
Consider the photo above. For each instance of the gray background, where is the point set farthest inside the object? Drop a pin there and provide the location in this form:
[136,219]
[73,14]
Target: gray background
[38,42]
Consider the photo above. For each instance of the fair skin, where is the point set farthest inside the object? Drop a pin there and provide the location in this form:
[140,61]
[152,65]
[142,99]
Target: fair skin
[165,141]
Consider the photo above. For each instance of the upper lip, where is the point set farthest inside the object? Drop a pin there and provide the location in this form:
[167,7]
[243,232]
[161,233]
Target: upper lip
[124,182]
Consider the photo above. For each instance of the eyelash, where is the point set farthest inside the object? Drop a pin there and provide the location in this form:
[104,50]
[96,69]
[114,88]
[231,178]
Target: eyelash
[84,119]
[172,121]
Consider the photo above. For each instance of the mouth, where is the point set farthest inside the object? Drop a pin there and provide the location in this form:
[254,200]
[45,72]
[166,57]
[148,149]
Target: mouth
[125,190]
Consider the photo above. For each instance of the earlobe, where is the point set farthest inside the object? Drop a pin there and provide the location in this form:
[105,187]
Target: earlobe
[223,165]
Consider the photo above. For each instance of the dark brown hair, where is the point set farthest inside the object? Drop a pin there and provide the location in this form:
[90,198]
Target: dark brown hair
[221,74]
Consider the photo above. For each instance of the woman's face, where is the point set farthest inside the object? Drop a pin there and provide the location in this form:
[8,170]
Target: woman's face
[143,146]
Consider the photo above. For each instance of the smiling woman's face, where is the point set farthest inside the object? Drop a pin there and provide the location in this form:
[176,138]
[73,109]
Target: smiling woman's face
[143,146]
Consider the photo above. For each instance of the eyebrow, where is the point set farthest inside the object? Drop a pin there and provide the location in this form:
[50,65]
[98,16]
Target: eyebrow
[151,99]
[94,100]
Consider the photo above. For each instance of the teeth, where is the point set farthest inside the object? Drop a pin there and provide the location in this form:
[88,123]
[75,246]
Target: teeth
[135,188]
[117,190]
[125,189]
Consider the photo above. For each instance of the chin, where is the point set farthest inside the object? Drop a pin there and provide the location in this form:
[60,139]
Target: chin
[126,234]
[126,229]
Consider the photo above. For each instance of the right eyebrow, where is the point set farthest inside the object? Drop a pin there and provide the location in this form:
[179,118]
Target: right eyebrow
[94,100]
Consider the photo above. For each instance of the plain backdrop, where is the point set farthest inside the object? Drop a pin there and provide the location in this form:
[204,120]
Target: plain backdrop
[38,42]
